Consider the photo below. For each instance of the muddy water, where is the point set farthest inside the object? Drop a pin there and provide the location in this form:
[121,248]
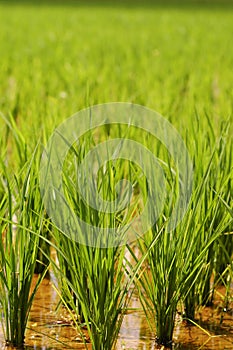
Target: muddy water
[49,328]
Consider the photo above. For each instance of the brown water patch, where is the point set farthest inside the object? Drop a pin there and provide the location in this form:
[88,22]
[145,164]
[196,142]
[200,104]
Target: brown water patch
[49,328]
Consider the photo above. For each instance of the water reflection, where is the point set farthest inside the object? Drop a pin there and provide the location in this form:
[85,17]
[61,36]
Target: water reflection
[135,330]
[52,329]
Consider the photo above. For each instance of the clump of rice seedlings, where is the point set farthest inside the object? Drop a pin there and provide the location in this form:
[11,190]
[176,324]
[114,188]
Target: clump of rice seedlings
[197,295]
[224,175]
[95,290]
[21,222]
[92,278]
[226,278]
[15,142]
[178,259]
[218,184]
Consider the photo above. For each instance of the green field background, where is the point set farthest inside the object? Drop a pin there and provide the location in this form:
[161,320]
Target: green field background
[58,57]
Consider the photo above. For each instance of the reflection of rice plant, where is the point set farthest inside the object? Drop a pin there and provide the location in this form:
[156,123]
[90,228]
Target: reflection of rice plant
[19,248]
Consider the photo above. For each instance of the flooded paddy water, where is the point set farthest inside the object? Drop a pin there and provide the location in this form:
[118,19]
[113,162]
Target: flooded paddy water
[49,328]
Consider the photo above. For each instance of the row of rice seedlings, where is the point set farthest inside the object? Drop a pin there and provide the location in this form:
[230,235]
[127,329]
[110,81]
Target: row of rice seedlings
[180,257]
[21,214]
[93,281]
[193,237]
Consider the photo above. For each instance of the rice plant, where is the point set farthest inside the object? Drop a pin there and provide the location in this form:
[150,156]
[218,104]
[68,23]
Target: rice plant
[218,184]
[15,141]
[92,278]
[21,214]
[179,259]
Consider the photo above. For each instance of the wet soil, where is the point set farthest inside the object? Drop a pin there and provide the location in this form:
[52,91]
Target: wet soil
[49,328]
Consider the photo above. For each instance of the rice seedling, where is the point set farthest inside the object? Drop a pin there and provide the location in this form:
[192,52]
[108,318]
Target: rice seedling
[179,259]
[219,183]
[92,278]
[95,291]
[21,211]
[15,141]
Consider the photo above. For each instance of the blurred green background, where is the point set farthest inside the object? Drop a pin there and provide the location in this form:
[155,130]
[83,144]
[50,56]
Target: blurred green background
[173,56]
